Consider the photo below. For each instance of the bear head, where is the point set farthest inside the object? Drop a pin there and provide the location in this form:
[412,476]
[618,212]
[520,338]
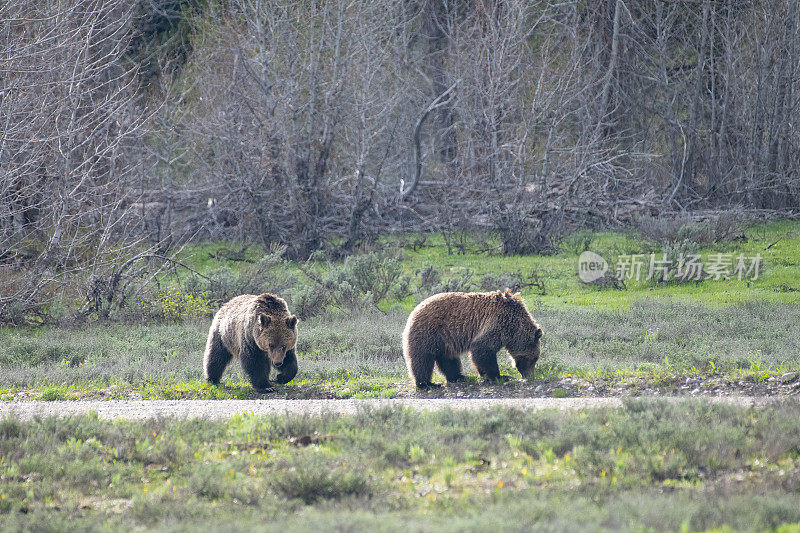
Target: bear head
[523,338]
[276,335]
[526,353]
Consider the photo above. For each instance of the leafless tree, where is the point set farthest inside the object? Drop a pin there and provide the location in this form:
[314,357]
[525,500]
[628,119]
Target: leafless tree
[317,125]
[70,122]
[300,133]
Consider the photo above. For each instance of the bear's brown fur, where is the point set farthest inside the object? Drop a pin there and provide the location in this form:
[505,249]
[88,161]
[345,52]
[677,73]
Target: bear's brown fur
[446,325]
[261,332]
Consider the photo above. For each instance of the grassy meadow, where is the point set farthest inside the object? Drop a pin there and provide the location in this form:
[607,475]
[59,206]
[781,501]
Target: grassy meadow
[654,331]
[647,466]
[360,355]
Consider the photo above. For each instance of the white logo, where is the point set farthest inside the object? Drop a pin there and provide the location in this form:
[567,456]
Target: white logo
[591,267]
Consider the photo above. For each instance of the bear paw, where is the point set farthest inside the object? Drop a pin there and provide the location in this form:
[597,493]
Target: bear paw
[265,390]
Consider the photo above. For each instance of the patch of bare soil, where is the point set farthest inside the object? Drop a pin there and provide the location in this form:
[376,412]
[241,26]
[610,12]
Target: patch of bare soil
[786,385]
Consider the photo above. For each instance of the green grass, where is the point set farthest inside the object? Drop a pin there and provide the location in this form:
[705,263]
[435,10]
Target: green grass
[777,242]
[360,355]
[646,466]
[653,332]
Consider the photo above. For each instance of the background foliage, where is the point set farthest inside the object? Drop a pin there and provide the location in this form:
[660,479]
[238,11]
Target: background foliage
[140,126]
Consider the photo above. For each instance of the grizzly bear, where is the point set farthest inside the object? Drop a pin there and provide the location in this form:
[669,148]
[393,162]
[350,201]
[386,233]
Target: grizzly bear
[446,325]
[261,332]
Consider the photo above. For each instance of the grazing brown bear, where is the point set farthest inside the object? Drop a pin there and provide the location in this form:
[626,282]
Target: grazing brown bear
[261,332]
[446,325]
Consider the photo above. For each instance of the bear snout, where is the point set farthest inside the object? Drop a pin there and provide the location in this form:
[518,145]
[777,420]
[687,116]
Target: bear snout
[276,357]
[525,366]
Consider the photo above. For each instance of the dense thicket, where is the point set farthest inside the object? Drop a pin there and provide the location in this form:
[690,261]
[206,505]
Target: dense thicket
[306,123]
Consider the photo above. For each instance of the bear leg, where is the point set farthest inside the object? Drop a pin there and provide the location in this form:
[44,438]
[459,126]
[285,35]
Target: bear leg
[256,366]
[485,362]
[450,367]
[420,366]
[215,359]
[288,369]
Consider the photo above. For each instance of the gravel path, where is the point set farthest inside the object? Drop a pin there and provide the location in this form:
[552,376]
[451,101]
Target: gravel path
[211,409]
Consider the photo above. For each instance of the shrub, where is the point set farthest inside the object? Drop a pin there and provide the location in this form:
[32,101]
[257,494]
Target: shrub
[430,282]
[675,253]
[311,479]
[521,233]
[428,279]
[374,275]
[218,481]
[608,281]
[361,281]
[660,229]
[10,428]
[307,301]
[723,227]
[269,274]
[516,281]
[31,351]
[461,282]
[577,242]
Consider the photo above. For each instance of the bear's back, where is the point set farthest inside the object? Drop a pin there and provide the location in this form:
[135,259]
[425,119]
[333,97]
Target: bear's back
[254,304]
[455,304]
[455,318]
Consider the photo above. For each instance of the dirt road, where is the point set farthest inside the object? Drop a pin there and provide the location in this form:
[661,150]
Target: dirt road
[211,409]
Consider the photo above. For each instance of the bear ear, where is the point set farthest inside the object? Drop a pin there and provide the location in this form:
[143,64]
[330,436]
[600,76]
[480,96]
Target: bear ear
[517,295]
[507,293]
[538,333]
[264,320]
[291,322]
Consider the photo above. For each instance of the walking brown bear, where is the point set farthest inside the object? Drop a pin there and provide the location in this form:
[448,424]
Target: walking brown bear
[446,325]
[261,332]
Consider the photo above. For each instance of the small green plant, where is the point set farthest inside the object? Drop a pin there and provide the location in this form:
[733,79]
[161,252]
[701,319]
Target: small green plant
[548,455]
[416,453]
[53,393]
[758,371]
[549,369]
[173,304]
[449,470]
